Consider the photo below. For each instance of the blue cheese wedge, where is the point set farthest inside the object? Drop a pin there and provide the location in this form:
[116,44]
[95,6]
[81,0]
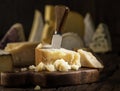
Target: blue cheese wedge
[101,41]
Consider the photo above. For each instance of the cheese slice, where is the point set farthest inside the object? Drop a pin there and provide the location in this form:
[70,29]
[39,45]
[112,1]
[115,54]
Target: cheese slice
[23,53]
[6,61]
[89,60]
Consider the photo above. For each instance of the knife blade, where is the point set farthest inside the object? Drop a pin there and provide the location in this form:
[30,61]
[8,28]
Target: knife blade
[61,13]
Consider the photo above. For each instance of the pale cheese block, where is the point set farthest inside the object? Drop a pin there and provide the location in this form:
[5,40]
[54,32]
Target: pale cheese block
[89,60]
[23,53]
[6,61]
[50,56]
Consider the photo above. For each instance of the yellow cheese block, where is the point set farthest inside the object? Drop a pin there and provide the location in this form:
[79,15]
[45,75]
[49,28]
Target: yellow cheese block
[23,53]
[6,62]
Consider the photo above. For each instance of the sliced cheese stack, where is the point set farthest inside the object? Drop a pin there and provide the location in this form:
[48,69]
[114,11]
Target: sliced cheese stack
[23,53]
[6,62]
[89,60]
[56,59]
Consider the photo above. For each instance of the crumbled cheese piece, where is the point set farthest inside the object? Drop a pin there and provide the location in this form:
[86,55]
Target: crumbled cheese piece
[37,87]
[40,67]
[23,69]
[62,65]
[74,67]
[50,67]
[32,67]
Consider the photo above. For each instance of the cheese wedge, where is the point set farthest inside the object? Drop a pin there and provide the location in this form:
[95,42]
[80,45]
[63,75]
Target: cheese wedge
[23,53]
[14,34]
[101,41]
[6,62]
[37,27]
[89,60]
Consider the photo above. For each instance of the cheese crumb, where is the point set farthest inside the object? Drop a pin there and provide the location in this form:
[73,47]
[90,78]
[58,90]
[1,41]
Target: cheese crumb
[61,65]
[75,67]
[37,87]
[23,69]
[40,67]
[50,67]
[32,67]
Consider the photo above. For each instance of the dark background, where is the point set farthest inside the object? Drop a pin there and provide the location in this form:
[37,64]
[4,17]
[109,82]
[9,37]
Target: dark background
[106,11]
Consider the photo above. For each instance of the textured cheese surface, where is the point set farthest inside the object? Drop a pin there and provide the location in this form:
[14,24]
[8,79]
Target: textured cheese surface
[63,57]
[101,41]
[89,60]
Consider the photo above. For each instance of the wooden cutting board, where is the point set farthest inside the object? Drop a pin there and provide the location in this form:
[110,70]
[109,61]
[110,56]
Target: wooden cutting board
[49,79]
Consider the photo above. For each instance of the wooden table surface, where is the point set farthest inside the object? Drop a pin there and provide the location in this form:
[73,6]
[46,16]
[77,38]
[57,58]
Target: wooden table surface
[109,78]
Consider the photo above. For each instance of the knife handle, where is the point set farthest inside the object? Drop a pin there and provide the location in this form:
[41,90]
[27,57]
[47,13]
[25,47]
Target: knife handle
[61,13]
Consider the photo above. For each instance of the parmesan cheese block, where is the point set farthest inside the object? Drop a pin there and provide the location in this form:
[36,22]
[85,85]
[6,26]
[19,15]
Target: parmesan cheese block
[50,56]
[6,62]
[89,60]
[23,53]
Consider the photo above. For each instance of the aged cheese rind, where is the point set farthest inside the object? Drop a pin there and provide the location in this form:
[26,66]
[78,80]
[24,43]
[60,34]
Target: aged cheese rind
[23,53]
[6,62]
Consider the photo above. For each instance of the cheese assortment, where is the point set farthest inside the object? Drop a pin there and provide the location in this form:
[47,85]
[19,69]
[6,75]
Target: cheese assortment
[46,57]
[41,64]
[63,60]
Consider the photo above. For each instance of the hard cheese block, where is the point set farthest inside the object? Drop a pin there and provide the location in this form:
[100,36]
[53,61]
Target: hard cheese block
[23,53]
[6,62]
[49,79]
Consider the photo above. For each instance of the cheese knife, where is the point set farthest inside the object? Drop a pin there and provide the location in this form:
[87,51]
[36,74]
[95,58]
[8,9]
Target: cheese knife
[61,13]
